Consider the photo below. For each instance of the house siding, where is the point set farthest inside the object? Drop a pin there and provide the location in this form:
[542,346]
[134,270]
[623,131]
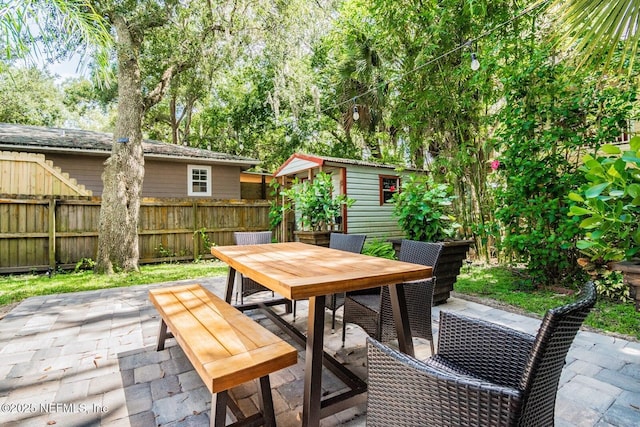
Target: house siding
[87,170]
[366,216]
[162,178]
[225,182]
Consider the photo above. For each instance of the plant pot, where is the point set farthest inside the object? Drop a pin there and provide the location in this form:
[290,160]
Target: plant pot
[318,238]
[631,275]
[451,258]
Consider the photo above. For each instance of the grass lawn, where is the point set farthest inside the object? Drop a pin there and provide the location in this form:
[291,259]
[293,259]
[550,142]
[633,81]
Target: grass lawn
[492,283]
[16,288]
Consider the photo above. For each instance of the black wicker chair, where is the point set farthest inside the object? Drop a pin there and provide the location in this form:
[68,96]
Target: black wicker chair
[484,374]
[248,286]
[348,243]
[373,311]
[344,242]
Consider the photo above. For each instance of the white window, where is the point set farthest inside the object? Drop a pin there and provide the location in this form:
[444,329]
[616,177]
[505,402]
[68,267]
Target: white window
[199,180]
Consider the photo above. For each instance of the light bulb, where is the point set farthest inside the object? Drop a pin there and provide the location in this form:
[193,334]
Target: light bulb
[475,64]
[356,115]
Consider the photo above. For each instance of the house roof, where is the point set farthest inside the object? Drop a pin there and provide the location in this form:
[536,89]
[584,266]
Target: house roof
[299,162]
[54,140]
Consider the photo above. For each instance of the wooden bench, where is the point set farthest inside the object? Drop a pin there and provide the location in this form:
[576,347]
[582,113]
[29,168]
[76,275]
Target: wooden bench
[225,347]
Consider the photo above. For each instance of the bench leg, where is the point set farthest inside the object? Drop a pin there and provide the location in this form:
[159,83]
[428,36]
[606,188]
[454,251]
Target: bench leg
[267,417]
[266,402]
[162,335]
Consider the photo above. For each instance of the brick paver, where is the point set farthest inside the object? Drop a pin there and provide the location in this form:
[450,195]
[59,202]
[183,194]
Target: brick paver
[89,358]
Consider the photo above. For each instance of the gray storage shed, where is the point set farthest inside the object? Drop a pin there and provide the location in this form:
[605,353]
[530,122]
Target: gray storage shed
[370,184]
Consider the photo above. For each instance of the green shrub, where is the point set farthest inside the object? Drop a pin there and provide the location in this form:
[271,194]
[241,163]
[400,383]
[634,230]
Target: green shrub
[609,204]
[610,285]
[379,248]
[422,208]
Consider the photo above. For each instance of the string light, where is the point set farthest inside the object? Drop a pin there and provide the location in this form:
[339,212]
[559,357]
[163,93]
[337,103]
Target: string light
[356,114]
[474,59]
[475,64]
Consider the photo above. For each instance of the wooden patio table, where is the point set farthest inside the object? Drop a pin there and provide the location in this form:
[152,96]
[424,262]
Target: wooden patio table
[299,271]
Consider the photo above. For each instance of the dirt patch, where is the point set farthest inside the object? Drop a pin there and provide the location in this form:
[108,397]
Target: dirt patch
[5,309]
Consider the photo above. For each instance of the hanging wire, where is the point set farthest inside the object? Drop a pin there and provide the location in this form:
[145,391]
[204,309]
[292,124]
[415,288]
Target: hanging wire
[526,11]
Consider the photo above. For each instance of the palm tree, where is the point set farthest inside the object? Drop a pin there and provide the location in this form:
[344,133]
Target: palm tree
[55,28]
[596,29]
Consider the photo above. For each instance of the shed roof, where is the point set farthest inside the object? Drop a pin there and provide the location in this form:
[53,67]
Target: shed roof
[54,140]
[299,162]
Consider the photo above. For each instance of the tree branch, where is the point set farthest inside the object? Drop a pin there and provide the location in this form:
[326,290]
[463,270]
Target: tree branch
[161,88]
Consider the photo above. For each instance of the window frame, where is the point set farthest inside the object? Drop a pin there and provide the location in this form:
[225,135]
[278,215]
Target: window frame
[383,191]
[190,181]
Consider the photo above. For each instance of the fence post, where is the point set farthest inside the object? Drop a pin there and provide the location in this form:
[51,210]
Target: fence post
[196,236]
[52,233]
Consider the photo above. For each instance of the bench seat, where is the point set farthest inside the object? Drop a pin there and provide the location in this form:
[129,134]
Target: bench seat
[225,347]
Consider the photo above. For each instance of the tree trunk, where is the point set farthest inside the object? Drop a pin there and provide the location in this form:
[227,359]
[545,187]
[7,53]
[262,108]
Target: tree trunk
[175,122]
[124,170]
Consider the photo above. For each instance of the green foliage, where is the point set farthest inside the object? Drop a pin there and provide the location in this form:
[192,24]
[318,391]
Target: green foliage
[164,252]
[276,211]
[422,207]
[29,96]
[379,248]
[204,237]
[551,113]
[84,264]
[609,204]
[315,202]
[610,284]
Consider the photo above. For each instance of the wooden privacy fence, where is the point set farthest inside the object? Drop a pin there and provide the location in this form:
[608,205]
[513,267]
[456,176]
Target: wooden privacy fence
[38,234]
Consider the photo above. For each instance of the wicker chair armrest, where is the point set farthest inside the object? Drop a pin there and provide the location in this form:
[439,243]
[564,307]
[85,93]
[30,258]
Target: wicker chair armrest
[490,351]
[404,391]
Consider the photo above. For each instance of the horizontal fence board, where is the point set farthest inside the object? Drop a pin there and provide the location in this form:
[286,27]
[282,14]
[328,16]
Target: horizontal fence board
[169,229]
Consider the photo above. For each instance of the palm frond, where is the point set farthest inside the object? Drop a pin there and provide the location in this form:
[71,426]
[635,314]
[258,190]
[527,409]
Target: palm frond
[595,30]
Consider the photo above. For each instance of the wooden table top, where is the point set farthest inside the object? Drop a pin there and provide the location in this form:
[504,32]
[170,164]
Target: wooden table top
[298,270]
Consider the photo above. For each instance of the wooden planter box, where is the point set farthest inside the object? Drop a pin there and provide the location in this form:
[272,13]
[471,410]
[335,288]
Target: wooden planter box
[631,275]
[451,260]
[318,238]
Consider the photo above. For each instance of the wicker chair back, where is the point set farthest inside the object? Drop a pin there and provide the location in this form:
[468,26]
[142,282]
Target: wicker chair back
[347,242]
[252,237]
[424,253]
[249,286]
[542,373]
[483,373]
[374,314]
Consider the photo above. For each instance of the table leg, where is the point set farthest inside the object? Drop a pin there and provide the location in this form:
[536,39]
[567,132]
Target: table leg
[311,404]
[401,319]
[231,278]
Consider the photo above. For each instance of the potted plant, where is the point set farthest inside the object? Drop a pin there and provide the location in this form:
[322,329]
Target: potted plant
[609,205]
[317,208]
[422,208]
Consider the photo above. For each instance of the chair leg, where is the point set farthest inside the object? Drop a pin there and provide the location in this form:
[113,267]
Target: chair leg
[294,309]
[333,319]
[237,281]
[344,330]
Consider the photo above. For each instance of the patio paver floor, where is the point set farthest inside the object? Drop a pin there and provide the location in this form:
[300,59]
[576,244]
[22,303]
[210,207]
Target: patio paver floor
[89,358]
